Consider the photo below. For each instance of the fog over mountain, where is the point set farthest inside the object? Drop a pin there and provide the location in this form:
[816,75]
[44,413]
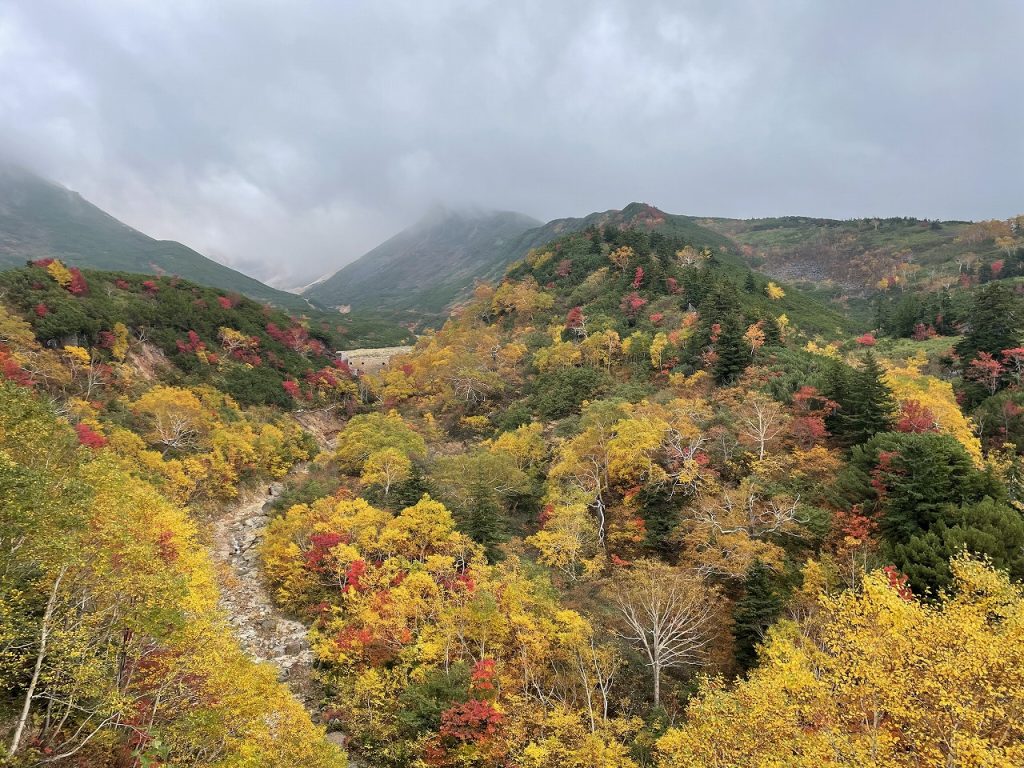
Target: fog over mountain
[287,139]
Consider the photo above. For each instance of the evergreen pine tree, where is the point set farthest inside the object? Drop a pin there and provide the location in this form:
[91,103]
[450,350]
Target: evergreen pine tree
[733,356]
[750,286]
[721,308]
[995,323]
[835,386]
[869,406]
[406,494]
[482,521]
[754,613]
[772,331]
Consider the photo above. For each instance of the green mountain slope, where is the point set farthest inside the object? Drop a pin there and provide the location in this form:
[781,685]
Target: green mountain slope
[427,266]
[433,264]
[39,219]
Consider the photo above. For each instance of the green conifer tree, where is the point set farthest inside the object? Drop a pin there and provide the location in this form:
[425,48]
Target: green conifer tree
[868,407]
[757,610]
[995,323]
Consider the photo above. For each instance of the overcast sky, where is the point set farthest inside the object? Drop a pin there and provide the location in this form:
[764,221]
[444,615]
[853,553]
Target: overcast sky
[287,137]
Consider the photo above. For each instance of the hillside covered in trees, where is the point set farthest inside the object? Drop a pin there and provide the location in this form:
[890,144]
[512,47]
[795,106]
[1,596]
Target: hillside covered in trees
[116,447]
[860,257]
[633,505]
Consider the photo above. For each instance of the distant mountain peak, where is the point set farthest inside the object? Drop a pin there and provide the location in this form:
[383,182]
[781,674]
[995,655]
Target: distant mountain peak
[429,267]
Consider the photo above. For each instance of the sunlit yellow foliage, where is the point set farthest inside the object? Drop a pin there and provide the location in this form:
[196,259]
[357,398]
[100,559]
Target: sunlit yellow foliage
[60,273]
[175,417]
[658,346]
[879,680]
[119,351]
[78,355]
[524,444]
[561,354]
[538,258]
[385,468]
[599,349]
[125,597]
[412,590]
[371,432]
[908,383]
[621,257]
[830,350]
[523,297]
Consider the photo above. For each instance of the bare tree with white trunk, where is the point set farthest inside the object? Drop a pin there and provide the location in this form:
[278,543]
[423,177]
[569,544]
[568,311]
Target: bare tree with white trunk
[668,616]
[762,420]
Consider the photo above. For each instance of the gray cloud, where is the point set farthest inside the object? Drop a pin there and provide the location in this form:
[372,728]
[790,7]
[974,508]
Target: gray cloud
[287,137]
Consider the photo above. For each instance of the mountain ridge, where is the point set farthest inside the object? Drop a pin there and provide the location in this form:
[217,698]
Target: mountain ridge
[404,273]
[42,219]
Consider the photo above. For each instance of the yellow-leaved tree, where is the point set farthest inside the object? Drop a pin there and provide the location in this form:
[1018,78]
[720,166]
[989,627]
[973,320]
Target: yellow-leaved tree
[875,678]
[929,403]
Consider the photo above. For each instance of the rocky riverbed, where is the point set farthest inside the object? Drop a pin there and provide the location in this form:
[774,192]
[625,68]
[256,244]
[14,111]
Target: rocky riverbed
[262,630]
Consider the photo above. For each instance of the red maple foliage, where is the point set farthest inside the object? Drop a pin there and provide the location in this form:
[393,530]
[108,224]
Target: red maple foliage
[1013,360]
[167,547]
[574,319]
[916,418]
[353,573]
[11,371]
[855,525]
[899,581]
[89,437]
[483,676]
[77,286]
[194,344]
[987,371]
[321,545]
[811,409]
[923,332]
[880,473]
[473,721]
[632,303]
[638,278]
